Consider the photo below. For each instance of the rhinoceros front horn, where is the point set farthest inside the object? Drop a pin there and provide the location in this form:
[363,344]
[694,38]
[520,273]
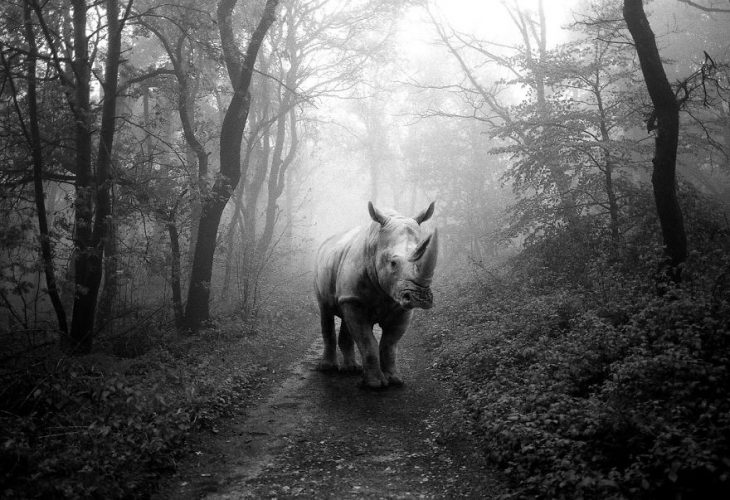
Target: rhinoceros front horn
[425,256]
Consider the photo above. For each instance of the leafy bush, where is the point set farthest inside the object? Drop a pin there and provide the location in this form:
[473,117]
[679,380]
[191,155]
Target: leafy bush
[76,428]
[108,427]
[596,388]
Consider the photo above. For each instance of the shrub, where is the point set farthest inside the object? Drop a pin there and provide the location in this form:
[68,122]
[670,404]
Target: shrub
[581,391]
[80,432]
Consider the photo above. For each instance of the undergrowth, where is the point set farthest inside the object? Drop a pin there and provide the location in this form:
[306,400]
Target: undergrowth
[593,386]
[107,427]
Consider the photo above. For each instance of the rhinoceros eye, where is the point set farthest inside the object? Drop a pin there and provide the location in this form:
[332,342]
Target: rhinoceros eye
[393,264]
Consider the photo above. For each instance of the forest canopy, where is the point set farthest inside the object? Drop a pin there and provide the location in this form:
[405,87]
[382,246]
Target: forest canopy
[119,126]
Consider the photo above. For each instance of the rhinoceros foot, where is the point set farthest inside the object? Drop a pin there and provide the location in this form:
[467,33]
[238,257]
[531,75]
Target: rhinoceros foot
[373,381]
[351,367]
[326,365]
[394,379]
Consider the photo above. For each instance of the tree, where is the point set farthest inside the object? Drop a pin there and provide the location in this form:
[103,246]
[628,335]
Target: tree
[93,201]
[240,71]
[67,60]
[666,113]
[320,52]
[588,118]
[182,31]
[31,131]
[521,127]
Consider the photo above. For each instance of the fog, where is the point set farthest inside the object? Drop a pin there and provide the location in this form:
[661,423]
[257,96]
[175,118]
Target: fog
[350,102]
[414,93]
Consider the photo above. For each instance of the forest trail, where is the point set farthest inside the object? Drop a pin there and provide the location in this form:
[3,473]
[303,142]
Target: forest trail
[317,435]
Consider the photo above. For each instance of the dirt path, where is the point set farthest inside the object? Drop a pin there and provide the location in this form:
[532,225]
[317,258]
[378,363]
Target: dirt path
[318,436]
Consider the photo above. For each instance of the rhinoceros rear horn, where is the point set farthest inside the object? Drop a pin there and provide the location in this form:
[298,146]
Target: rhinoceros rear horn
[425,256]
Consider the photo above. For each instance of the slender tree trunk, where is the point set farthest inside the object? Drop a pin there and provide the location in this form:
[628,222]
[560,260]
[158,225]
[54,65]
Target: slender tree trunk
[272,191]
[175,271]
[85,260]
[37,156]
[557,171]
[111,283]
[90,227]
[250,208]
[241,72]
[236,222]
[147,140]
[289,228]
[277,175]
[196,151]
[666,110]
[613,210]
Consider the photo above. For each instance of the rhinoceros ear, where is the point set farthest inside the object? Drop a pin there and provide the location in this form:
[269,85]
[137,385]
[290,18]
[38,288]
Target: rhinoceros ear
[377,215]
[426,214]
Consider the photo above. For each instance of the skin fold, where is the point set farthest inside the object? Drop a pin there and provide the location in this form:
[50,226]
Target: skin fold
[374,274]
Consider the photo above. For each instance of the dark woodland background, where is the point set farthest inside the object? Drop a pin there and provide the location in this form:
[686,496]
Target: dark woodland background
[169,168]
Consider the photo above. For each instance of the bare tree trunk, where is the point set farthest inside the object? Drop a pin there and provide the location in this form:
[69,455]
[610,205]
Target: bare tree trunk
[236,222]
[289,228]
[613,210]
[277,175]
[109,289]
[195,154]
[725,121]
[666,110]
[90,191]
[239,220]
[175,271]
[241,72]
[86,259]
[248,230]
[196,151]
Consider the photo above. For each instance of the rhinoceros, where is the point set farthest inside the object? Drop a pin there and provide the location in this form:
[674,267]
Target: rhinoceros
[374,274]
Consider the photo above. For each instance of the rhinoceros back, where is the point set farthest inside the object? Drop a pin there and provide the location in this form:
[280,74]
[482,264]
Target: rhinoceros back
[341,267]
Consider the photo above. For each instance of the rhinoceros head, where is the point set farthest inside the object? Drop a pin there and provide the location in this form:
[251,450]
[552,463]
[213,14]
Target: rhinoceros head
[405,258]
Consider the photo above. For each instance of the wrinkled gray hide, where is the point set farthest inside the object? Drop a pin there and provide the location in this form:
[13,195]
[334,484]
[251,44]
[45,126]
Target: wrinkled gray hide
[374,274]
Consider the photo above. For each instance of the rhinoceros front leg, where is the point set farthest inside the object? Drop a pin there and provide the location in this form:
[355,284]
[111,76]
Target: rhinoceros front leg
[361,330]
[393,330]
[347,346]
[329,357]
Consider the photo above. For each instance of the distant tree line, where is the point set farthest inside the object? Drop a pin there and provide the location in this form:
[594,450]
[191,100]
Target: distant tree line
[574,147]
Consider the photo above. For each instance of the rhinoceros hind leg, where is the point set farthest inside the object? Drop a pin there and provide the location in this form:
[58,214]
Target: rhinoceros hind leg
[329,356]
